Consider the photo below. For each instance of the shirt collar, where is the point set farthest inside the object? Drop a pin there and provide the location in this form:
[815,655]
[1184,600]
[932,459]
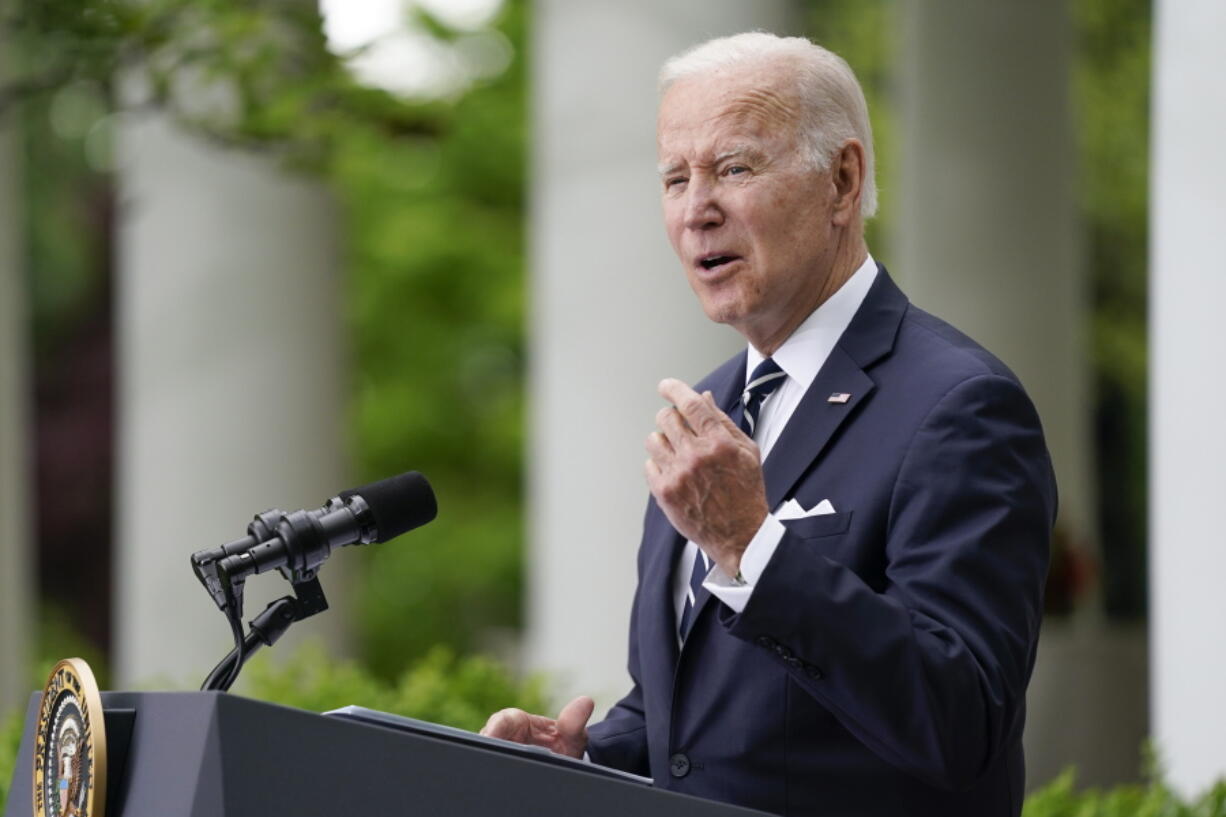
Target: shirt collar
[804,353]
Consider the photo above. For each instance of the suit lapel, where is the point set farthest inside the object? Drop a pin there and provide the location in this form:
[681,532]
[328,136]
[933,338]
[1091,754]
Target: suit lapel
[814,422]
[657,617]
[869,337]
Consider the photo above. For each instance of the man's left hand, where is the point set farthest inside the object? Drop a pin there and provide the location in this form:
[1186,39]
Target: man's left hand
[706,475]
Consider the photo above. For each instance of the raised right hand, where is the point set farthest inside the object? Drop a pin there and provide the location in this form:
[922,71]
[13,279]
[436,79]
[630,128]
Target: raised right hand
[567,735]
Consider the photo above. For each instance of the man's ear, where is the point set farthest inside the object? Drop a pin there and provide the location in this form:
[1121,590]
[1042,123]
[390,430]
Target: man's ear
[847,176]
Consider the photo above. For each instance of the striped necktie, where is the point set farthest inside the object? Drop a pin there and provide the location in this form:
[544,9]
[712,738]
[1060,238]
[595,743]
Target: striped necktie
[765,379]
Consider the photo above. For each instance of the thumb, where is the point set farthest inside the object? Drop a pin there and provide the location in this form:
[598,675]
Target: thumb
[574,716]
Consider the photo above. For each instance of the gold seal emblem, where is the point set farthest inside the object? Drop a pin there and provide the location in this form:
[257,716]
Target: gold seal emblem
[70,745]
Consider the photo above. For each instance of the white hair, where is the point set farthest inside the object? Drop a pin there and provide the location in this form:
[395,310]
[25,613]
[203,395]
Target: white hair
[832,102]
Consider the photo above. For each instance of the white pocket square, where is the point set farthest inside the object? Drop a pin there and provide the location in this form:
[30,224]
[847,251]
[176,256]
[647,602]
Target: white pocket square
[792,510]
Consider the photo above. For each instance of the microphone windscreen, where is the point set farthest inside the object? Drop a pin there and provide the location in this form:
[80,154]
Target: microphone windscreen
[398,504]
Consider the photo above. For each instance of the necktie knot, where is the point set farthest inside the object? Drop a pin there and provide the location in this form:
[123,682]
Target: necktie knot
[762,383]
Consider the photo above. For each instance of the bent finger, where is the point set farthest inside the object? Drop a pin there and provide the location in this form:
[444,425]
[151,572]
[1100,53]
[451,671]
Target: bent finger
[671,424]
[699,413]
[658,446]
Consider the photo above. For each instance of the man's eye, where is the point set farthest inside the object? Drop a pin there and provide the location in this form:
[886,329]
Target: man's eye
[736,170]
[673,181]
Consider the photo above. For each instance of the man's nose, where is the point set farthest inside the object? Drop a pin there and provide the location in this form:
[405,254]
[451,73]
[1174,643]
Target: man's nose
[702,208]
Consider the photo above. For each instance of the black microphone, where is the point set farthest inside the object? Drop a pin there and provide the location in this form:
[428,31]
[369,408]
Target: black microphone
[298,543]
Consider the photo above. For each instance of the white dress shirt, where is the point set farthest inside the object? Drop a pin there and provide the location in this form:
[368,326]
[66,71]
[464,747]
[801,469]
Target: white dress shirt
[801,356]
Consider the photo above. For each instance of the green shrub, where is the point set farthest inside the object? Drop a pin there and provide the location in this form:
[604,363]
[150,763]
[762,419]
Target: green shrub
[440,687]
[10,742]
[1151,799]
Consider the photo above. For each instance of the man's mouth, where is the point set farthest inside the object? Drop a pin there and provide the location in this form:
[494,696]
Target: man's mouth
[713,261]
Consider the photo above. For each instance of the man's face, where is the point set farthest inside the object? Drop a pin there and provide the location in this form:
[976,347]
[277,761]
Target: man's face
[749,218]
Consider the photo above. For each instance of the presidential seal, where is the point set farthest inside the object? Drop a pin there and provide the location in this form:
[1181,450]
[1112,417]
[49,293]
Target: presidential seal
[70,745]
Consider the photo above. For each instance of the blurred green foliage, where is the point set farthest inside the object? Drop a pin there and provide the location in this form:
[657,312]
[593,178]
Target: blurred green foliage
[436,227]
[432,193]
[1153,798]
[10,743]
[67,276]
[59,638]
[440,687]
[1111,85]
[862,32]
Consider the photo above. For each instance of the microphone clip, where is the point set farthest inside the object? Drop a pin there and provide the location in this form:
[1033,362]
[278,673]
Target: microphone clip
[266,628]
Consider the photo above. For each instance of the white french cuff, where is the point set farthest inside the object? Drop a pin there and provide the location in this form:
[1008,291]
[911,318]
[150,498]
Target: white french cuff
[735,592]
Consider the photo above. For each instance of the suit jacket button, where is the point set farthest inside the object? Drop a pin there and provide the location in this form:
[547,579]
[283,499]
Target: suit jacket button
[679,765]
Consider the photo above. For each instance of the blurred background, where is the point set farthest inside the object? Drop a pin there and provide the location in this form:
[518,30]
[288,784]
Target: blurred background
[253,253]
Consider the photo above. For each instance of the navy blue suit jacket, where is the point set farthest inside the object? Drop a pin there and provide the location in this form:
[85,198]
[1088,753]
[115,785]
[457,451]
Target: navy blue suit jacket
[880,666]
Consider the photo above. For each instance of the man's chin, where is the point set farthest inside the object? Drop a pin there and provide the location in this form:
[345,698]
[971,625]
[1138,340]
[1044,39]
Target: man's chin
[723,312]
[724,316]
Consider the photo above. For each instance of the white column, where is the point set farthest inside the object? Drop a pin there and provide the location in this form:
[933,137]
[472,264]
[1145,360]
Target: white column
[987,233]
[1187,543]
[230,382]
[986,236]
[16,570]
[610,314]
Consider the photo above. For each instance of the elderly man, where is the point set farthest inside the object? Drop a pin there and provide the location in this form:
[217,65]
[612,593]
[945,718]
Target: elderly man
[841,570]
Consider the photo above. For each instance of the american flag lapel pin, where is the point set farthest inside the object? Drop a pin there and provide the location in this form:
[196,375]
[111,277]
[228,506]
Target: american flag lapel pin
[838,397]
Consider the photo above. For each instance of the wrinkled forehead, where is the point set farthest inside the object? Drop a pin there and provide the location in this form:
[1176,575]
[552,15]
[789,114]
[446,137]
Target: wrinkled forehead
[697,113]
